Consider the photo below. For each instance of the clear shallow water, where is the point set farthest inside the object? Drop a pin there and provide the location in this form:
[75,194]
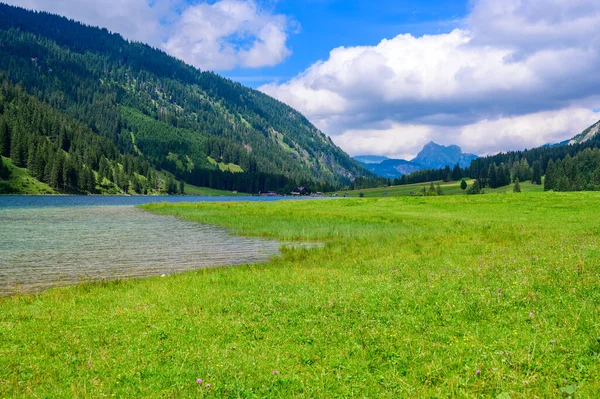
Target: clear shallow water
[50,241]
[19,201]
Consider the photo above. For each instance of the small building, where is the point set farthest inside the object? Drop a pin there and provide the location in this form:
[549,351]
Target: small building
[299,191]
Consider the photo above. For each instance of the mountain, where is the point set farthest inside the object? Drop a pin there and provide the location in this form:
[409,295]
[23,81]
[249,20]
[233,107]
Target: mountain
[370,159]
[432,156]
[586,135]
[155,110]
[435,156]
[393,168]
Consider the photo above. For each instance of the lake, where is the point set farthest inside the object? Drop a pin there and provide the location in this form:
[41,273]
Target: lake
[48,241]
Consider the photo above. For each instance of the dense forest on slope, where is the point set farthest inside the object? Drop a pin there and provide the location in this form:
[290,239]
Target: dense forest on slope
[61,151]
[155,108]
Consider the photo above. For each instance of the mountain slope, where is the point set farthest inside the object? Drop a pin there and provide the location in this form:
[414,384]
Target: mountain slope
[435,156]
[586,135]
[155,107]
[370,159]
[393,168]
[432,156]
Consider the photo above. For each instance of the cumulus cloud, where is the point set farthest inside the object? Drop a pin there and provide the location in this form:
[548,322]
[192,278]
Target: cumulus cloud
[517,67]
[524,131]
[229,33]
[221,35]
[134,19]
[393,140]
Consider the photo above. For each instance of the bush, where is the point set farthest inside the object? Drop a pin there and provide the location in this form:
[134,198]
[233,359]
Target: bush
[475,188]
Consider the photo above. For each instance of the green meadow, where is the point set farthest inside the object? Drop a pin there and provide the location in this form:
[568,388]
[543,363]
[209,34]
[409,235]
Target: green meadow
[484,296]
[20,181]
[448,188]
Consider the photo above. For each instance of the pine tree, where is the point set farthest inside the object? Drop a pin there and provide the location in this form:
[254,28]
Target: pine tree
[524,170]
[181,187]
[447,173]
[562,180]
[503,175]
[456,172]
[474,169]
[562,183]
[463,185]
[438,189]
[135,185]
[517,186]
[56,175]
[550,179]
[4,138]
[475,188]
[493,176]
[16,149]
[171,185]
[536,177]
[70,175]
[4,171]
[431,191]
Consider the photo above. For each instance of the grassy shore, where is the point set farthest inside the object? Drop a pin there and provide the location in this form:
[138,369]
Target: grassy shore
[457,296]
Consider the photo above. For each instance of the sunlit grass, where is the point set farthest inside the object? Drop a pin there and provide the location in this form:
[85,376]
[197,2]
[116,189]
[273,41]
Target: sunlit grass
[21,182]
[448,188]
[409,297]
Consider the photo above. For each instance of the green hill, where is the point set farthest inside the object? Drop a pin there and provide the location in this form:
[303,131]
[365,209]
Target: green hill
[156,110]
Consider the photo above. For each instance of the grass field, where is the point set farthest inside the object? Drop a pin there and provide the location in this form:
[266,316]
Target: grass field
[488,296]
[448,188]
[21,182]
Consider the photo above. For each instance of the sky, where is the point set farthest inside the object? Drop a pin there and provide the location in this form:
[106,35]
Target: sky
[386,77]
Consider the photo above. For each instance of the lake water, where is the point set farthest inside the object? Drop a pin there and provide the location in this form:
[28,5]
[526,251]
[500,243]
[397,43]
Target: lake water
[48,241]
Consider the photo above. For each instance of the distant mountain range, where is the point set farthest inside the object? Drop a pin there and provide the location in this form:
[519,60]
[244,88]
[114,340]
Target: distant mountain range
[432,156]
[370,159]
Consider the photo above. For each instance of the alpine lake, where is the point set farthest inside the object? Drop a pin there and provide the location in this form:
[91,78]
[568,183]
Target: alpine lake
[48,241]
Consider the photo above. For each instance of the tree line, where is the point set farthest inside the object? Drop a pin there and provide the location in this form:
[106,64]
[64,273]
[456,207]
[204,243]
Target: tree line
[567,167]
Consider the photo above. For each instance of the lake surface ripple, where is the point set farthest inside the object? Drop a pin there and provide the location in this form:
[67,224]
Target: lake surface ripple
[41,247]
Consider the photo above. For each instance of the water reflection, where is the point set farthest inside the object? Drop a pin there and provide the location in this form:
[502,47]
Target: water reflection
[48,246]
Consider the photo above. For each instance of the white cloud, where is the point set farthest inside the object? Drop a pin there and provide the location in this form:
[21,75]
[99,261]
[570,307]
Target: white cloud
[525,131]
[227,34]
[515,63]
[394,141]
[483,137]
[221,35]
[134,19]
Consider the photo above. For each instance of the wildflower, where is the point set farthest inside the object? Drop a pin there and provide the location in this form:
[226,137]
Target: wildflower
[208,385]
[531,314]
[275,372]
[199,381]
[478,372]
[553,341]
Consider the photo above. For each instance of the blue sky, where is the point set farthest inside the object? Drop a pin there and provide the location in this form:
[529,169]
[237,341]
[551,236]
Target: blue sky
[327,24]
[386,77]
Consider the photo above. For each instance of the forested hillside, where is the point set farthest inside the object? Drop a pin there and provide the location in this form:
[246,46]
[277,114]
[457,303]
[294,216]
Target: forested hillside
[155,110]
